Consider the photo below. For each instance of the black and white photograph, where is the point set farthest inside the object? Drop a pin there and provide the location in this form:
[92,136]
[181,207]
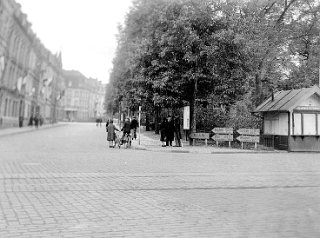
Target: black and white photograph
[160,119]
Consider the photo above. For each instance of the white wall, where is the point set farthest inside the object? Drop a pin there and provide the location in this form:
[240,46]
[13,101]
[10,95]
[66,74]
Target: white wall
[313,101]
[276,124]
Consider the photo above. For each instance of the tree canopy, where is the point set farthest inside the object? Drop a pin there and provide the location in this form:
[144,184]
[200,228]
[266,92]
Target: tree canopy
[174,52]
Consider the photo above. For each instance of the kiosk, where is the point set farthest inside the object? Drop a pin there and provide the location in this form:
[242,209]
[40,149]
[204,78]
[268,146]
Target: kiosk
[291,120]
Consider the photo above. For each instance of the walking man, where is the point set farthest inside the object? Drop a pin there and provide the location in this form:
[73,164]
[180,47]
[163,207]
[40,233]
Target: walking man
[170,131]
[126,128]
[134,125]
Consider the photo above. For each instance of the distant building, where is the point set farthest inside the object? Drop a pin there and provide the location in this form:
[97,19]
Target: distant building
[100,98]
[84,97]
[30,75]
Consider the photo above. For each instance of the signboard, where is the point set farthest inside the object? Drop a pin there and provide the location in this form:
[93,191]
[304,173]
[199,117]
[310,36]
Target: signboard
[222,130]
[218,137]
[245,138]
[186,118]
[203,136]
[244,131]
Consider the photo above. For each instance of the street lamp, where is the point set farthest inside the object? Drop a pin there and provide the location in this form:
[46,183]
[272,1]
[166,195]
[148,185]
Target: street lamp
[139,123]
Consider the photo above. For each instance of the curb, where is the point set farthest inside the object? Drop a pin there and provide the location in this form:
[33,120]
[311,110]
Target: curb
[209,152]
[138,148]
[32,130]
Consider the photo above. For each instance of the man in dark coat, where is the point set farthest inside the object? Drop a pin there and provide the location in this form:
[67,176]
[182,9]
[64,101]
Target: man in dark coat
[36,120]
[170,131]
[177,132]
[163,131]
[134,125]
[31,120]
[126,128]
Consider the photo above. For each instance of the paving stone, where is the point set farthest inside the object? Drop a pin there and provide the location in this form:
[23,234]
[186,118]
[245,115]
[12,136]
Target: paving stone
[65,182]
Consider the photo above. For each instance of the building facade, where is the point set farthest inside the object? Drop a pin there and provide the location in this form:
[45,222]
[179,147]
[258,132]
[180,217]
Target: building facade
[84,97]
[30,75]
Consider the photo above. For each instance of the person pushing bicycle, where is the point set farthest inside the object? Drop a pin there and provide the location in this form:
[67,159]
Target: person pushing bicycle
[126,128]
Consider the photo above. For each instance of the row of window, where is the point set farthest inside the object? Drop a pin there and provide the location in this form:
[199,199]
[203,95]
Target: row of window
[306,123]
[11,108]
[13,75]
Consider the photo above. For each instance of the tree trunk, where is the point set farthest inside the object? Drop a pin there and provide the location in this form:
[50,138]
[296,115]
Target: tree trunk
[258,87]
[156,121]
[147,122]
[259,77]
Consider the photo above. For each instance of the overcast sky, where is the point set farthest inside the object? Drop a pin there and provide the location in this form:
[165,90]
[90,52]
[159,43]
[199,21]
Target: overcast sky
[84,30]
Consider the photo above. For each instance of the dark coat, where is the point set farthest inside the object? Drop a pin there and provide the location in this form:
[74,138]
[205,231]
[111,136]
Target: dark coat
[163,130]
[134,124]
[177,128]
[126,127]
[170,131]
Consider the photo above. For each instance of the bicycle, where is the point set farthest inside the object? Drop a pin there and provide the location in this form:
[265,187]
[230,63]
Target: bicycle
[126,141]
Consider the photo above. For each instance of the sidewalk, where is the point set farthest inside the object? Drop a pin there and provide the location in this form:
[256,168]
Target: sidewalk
[17,130]
[151,142]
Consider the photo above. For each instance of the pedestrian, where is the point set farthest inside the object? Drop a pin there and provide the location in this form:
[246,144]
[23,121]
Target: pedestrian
[134,125]
[111,133]
[40,120]
[21,118]
[126,128]
[107,123]
[36,120]
[170,131]
[163,131]
[177,132]
[98,121]
[31,120]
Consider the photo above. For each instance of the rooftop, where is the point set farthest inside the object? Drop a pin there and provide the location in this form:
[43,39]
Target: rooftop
[287,100]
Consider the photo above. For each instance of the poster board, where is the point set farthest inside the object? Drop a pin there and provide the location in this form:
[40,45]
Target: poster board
[186,118]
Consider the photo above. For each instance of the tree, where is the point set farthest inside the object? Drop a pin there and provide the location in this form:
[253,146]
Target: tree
[172,53]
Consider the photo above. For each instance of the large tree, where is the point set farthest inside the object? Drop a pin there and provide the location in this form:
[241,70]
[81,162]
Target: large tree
[175,52]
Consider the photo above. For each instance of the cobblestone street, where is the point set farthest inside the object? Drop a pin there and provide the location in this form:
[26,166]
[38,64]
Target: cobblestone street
[66,182]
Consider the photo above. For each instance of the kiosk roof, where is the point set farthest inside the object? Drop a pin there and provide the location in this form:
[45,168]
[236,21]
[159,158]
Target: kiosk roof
[284,101]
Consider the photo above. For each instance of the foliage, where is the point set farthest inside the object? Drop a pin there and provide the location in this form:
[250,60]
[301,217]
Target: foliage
[240,115]
[231,54]
[210,117]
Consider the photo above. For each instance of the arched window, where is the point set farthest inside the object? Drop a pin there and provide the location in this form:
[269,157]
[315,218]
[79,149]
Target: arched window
[5,107]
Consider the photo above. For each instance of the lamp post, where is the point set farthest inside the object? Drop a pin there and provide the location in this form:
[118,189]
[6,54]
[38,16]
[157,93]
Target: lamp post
[139,123]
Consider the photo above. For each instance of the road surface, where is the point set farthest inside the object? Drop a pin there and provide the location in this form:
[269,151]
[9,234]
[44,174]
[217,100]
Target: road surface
[66,182]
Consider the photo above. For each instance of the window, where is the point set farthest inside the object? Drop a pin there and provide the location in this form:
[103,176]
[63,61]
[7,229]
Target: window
[309,124]
[306,124]
[13,112]
[5,107]
[297,130]
[10,108]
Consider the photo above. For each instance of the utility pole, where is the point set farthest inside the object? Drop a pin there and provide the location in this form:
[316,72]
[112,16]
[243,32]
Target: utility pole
[139,124]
